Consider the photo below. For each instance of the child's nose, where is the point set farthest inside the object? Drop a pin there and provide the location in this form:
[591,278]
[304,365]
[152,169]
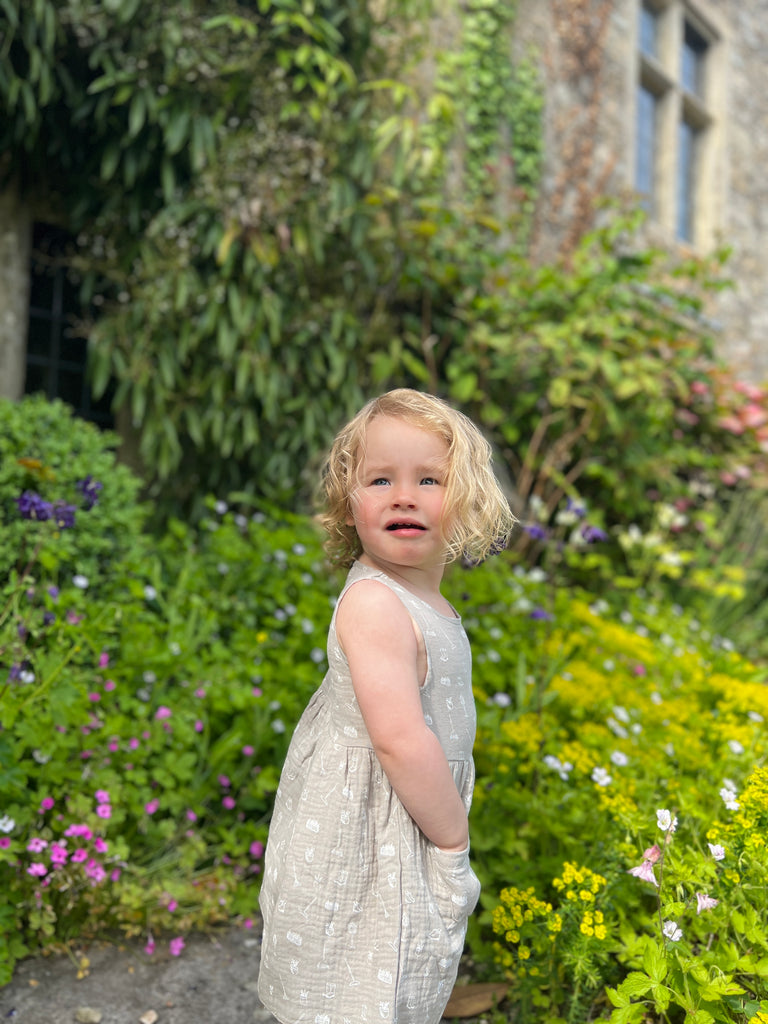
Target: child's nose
[403,498]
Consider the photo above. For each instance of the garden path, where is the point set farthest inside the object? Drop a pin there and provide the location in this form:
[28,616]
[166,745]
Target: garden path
[214,980]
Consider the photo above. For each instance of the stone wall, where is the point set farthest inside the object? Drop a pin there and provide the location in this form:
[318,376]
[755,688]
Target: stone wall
[15,239]
[587,54]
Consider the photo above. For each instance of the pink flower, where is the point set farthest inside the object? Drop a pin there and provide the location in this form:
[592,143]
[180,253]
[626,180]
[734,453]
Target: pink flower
[753,416]
[700,387]
[256,849]
[163,712]
[717,851]
[114,746]
[652,854]
[47,803]
[102,796]
[152,806]
[248,751]
[114,874]
[99,845]
[191,816]
[228,802]
[750,391]
[58,854]
[94,697]
[37,870]
[109,685]
[248,923]
[200,692]
[732,424]
[104,811]
[95,871]
[172,905]
[133,743]
[79,830]
[5,842]
[639,669]
[103,659]
[176,946]
[199,726]
[704,902]
[79,855]
[224,781]
[149,949]
[256,691]
[37,845]
[645,871]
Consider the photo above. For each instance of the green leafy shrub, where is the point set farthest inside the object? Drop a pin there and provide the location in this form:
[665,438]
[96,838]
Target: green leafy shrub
[589,724]
[71,466]
[142,733]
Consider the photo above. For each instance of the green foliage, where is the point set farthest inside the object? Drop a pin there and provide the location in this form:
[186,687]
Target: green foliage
[46,450]
[147,729]
[588,725]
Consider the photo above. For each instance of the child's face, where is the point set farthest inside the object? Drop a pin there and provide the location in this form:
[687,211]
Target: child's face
[397,509]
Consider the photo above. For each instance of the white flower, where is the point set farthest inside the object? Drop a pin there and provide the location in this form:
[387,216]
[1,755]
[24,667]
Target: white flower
[221,507]
[755,716]
[493,656]
[665,821]
[704,902]
[609,665]
[601,777]
[7,824]
[616,729]
[241,521]
[299,549]
[175,648]
[735,747]
[278,725]
[671,931]
[222,568]
[149,677]
[150,593]
[619,758]
[656,698]
[522,604]
[80,581]
[317,654]
[621,713]
[729,798]
[537,575]
[561,767]
[502,700]
[717,851]
[26,676]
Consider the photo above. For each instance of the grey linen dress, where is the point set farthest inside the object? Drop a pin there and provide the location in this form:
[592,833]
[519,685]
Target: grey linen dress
[364,917]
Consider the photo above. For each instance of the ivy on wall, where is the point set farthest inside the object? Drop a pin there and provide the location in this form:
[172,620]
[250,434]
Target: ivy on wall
[498,103]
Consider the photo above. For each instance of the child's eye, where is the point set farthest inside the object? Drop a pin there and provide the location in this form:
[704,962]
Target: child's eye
[379,481]
[430,480]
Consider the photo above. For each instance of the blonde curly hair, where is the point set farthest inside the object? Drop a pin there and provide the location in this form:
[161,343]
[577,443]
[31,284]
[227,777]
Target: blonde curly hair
[480,519]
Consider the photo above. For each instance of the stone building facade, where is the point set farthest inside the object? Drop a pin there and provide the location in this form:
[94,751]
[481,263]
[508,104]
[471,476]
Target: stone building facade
[667,99]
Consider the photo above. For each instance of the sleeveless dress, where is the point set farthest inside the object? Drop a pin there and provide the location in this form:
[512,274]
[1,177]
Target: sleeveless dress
[364,917]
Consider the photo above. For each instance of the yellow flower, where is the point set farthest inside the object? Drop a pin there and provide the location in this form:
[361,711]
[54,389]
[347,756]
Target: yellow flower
[585,896]
[524,953]
[261,636]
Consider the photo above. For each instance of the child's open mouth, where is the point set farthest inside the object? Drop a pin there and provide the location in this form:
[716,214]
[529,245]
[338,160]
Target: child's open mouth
[405,526]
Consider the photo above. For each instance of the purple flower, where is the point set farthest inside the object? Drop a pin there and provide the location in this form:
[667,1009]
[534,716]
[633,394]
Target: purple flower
[32,506]
[64,515]
[89,491]
[175,946]
[535,531]
[540,613]
[592,534]
[48,618]
[577,508]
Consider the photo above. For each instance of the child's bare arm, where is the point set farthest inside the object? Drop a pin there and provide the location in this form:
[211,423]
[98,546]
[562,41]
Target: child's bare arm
[377,636]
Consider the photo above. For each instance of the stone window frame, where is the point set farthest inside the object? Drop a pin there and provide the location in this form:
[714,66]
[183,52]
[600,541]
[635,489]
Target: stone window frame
[704,111]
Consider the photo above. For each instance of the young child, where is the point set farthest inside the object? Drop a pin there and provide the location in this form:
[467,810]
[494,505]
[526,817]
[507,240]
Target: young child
[367,884]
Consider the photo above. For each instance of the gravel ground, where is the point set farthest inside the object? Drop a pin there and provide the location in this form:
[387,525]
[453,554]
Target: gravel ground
[214,980]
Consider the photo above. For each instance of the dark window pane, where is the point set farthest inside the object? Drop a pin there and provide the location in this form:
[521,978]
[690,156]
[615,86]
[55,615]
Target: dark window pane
[71,387]
[649,31]
[56,355]
[645,146]
[41,337]
[39,378]
[694,51]
[686,180]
